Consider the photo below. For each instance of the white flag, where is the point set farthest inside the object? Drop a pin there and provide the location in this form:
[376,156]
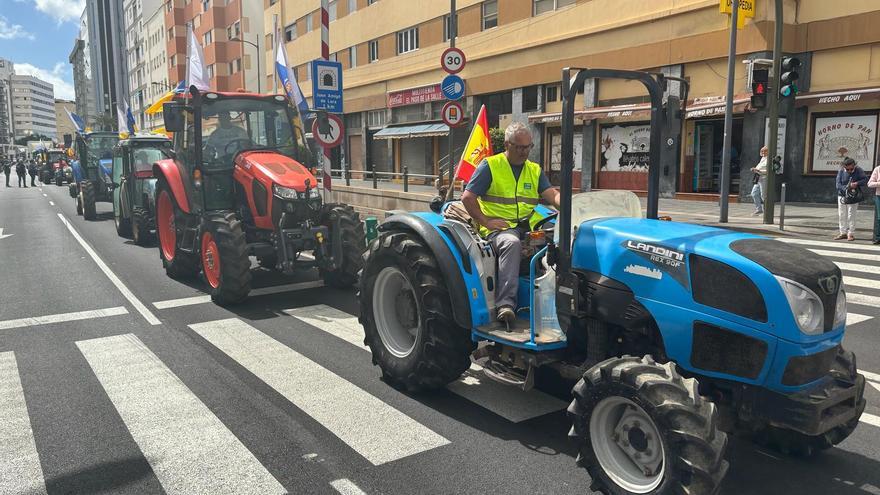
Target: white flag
[196,72]
[121,120]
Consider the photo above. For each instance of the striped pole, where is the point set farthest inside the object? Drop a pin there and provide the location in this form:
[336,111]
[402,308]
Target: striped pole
[325,54]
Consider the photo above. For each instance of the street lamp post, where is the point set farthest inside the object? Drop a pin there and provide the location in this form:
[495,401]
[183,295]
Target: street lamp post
[257,46]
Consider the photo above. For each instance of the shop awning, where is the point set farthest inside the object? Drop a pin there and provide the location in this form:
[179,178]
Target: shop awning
[695,109]
[839,96]
[412,131]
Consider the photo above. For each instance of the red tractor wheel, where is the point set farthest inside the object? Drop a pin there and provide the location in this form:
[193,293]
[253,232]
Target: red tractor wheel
[226,266]
[178,264]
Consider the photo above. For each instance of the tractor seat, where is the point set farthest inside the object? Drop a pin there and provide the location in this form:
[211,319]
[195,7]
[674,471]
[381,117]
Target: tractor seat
[602,204]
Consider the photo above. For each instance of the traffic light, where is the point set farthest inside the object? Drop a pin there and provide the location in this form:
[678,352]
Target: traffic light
[760,78]
[788,79]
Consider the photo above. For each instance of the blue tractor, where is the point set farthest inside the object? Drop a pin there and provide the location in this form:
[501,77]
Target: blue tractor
[92,171]
[674,335]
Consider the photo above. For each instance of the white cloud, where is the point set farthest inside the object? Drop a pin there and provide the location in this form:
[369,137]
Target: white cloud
[12,31]
[56,77]
[62,10]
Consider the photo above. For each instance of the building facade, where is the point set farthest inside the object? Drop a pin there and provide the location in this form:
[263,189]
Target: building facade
[157,82]
[6,130]
[106,50]
[516,49]
[33,107]
[63,125]
[136,54]
[231,64]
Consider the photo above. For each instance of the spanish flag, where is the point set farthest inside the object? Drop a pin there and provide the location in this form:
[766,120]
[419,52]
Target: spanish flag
[479,146]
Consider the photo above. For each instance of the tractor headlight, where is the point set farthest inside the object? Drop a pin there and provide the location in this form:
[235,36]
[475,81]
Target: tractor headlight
[314,193]
[805,305]
[840,309]
[284,192]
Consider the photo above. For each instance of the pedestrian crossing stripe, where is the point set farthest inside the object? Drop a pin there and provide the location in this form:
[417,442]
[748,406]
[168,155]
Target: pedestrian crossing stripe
[847,255]
[375,430]
[189,449]
[838,246]
[20,470]
[508,402]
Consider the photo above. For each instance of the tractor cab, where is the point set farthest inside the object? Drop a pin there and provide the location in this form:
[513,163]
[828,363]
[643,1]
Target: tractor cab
[134,186]
[92,171]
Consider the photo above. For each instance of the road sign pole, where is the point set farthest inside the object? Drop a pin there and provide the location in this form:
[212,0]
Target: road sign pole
[453,32]
[728,116]
[325,55]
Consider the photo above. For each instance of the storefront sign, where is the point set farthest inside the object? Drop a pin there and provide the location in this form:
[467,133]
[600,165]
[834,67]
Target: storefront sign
[415,96]
[835,97]
[838,137]
[746,7]
[625,148]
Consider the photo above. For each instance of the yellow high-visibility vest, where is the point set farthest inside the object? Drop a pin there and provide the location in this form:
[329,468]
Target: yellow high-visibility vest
[508,198]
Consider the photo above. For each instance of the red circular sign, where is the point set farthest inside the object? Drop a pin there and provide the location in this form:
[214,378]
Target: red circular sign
[453,114]
[333,136]
[453,60]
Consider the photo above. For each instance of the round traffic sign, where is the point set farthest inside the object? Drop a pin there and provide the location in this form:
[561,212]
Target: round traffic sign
[452,87]
[453,60]
[452,113]
[333,133]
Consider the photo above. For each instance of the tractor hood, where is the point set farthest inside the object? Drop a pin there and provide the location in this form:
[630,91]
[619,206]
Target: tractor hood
[276,168]
[730,275]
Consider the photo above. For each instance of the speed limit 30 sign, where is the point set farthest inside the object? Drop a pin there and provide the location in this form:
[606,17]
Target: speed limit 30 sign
[453,60]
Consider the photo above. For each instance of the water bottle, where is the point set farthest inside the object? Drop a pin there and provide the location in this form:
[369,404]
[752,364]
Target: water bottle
[546,323]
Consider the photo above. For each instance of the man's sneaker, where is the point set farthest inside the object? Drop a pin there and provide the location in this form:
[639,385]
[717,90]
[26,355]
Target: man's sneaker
[840,237]
[756,213]
[506,314]
[850,237]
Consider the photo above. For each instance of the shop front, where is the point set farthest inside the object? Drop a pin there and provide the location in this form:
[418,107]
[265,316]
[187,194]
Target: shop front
[704,146]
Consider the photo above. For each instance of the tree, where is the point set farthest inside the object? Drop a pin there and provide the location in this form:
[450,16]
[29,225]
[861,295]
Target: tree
[33,137]
[104,122]
[496,136]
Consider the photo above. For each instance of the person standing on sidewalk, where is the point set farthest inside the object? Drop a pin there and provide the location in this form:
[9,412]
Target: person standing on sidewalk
[874,183]
[7,169]
[760,182]
[850,179]
[21,172]
[32,171]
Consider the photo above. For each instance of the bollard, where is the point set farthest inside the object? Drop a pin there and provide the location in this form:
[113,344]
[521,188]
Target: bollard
[782,209]
[372,224]
[375,186]
[346,171]
[405,178]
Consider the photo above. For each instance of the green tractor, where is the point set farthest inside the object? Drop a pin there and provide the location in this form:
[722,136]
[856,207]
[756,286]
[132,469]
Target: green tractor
[134,185]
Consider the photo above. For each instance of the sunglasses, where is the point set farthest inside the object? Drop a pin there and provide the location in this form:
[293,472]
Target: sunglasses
[522,147]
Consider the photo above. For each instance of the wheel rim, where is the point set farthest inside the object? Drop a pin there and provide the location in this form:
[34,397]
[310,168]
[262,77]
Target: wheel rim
[165,226]
[210,260]
[627,444]
[396,312]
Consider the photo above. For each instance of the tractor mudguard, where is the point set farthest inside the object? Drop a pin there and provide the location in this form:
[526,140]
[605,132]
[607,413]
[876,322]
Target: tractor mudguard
[173,174]
[458,291]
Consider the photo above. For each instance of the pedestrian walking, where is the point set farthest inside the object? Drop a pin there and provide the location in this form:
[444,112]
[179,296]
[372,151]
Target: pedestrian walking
[759,182]
[7,169]
[874,183]
[32,171]
[850,181]
[21,172]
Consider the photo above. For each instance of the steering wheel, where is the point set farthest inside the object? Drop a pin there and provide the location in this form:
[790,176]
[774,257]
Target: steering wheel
[544,221]
[246,142]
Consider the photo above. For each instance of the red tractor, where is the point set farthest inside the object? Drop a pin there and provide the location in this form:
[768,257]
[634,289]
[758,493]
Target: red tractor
[235,186]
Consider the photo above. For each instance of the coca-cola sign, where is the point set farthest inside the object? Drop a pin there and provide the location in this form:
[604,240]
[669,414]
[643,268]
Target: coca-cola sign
[415,96]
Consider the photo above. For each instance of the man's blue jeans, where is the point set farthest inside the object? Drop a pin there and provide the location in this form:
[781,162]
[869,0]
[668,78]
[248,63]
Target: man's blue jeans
[877,218]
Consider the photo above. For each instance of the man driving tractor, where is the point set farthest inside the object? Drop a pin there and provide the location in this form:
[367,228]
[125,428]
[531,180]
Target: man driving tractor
[501,197]
[226,132]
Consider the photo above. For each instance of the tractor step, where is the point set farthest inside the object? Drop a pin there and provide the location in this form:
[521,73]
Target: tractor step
[519,332]
[506,375]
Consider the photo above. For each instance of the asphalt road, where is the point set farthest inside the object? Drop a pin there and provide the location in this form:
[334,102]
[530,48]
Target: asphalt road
[140,386]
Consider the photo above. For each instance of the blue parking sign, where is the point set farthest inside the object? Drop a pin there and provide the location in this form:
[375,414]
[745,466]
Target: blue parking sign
[452,87]
[327,85]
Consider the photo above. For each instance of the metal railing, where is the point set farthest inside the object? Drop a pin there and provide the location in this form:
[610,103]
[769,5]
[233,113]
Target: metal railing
[387,177]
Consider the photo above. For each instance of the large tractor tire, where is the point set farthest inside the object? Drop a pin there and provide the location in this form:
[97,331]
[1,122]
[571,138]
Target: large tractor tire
[406,312]
[226,266]
[353,241]
[797,444]
[87,198]
[641,428]
[178,264]
[141,226]
[58,181]
[79,205]
[123,225]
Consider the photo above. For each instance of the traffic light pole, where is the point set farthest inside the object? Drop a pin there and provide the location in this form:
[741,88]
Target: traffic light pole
[728,116]
[773,104]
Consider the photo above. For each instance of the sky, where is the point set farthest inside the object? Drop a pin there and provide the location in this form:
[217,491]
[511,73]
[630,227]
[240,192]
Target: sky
[37,36]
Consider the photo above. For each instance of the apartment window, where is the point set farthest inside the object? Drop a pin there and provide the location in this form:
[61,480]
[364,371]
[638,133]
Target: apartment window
[408,40]
[270,42]
[352,6]
[331,10]
[334,57]
[308,71]
[374,50]
[447,27]
[290,32]
[309,23]
[352,57]
[235,29]
[172,61]
[551,93]
[171,33]
[206,4]
[371,2]
[235,66]
[376,118]
[530,99]
[208,38]
[210,71]
[490,14]
[544,6]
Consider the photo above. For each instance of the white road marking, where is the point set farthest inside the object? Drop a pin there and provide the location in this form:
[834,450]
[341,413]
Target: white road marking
[875,385]
[863,299]
[45,195]
[374,429]
[508,402]
[857,268]
[870,376]
[854,318]
[346,487]
[2,236]
[837,245]
[20,470]
[263,291]
[851,256]
[51,203]
[62,317]
[870,419]
[864,283]
[188,447]
[138,305]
